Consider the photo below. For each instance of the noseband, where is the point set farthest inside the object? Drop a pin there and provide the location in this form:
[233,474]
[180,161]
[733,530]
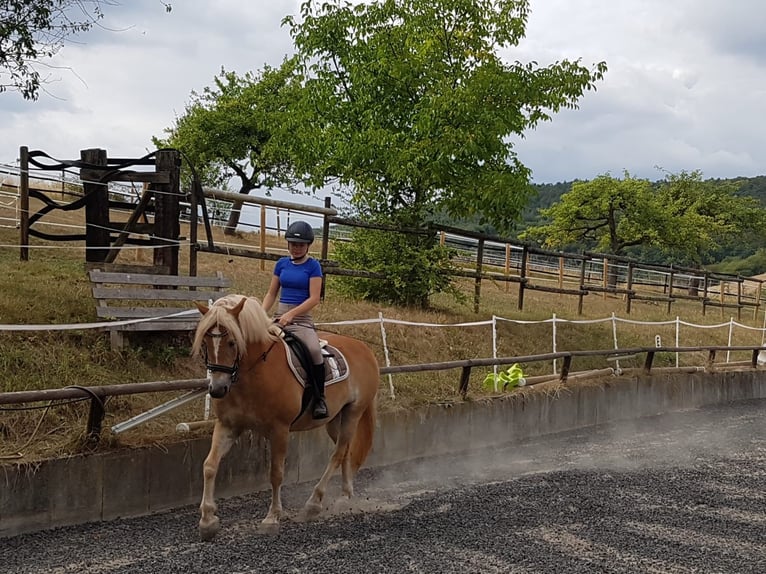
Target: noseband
[232,370]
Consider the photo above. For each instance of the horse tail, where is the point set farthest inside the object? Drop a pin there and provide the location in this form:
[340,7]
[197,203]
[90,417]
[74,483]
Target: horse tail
[361,444]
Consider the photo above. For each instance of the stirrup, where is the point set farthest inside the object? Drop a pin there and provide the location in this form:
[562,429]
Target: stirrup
[320,409]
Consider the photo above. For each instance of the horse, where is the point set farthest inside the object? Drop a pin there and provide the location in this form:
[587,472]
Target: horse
[253,387]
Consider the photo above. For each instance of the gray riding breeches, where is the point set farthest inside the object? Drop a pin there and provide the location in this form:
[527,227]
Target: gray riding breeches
[303,328]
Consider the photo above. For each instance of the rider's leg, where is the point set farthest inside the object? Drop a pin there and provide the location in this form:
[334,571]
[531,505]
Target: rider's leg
[320,406]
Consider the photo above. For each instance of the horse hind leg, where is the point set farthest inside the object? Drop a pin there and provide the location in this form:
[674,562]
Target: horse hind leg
[221,443]
[339,458]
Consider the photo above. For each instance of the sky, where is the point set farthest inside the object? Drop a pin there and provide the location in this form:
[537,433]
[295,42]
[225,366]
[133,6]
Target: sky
[685,87]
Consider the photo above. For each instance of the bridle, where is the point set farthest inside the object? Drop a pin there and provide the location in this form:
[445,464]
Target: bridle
[233,370]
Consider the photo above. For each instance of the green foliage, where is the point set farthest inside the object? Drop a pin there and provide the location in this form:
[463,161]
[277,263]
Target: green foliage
[32,30]
[409,103]
[750,266]
[415,268]
[682,219]
[700,216]
[604,214]
[234,129]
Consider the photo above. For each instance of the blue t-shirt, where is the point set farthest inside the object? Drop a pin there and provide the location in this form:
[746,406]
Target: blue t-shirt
[294,279]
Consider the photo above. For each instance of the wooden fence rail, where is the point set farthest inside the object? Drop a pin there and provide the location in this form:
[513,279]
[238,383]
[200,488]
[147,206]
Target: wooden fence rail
[98,394]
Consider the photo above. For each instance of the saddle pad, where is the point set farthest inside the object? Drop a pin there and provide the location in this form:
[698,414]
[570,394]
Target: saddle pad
[335,364]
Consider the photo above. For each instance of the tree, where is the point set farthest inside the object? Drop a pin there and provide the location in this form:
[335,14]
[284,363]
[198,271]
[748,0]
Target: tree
[685,218]
[411,105]
[227,131]
[32,30]
[701,216]
[605,214]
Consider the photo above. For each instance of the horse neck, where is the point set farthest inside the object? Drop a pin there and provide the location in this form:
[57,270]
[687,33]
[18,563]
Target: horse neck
[262,351]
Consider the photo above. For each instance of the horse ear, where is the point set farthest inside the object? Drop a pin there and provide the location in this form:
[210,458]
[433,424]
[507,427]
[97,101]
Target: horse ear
[202,307]
[238,309]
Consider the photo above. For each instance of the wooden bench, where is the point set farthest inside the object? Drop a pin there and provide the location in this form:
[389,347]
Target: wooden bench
[161,302]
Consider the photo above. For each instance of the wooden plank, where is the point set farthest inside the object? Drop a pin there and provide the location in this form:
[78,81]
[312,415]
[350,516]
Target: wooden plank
[97,276]
[154,294]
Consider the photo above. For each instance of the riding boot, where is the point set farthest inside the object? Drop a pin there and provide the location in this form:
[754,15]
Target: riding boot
[320,406]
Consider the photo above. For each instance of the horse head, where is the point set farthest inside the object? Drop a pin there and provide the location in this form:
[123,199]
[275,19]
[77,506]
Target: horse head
[220,343]
[223,336]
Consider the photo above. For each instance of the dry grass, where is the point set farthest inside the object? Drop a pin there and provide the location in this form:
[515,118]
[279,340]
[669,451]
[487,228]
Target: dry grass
[52,288]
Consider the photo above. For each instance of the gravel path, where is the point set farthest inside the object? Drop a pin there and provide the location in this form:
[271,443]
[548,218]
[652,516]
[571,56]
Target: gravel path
[678,493]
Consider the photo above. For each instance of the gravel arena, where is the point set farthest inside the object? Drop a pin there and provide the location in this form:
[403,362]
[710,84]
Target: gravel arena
[682,492]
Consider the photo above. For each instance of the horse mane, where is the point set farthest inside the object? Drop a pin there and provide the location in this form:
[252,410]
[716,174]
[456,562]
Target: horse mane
[253,325]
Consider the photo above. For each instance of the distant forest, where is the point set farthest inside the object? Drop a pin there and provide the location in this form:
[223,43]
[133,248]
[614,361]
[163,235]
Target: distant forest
[746,257]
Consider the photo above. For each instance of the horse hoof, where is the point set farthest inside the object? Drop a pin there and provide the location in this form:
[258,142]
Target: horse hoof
[310,512]
[208,531]
[269,528]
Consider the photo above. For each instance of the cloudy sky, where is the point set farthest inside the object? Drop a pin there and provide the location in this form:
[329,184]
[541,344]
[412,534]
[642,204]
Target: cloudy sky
[684,91]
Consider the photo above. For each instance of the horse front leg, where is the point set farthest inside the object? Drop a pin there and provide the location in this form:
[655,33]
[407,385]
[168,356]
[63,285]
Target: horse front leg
[278,440]
[223,439]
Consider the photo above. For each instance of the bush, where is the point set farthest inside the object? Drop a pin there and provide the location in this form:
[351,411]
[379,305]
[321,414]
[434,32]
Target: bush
[415,267]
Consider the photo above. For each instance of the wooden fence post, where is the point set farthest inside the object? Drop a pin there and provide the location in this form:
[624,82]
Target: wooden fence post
[167,210]
[629,286]
[263,234]
[96,206]
[325,239]
[522,276]
[24,203]
[582,285]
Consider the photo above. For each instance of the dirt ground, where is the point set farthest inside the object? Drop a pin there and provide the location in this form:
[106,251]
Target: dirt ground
[684,492]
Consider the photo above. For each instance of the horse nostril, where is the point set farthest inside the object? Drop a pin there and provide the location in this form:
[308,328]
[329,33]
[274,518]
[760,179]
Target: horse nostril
[217,392]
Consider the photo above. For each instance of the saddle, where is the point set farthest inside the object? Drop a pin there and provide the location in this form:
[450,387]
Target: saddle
[299,361]
[336,366]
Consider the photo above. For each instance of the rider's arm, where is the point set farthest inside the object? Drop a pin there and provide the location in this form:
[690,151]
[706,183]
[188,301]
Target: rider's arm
[271,295]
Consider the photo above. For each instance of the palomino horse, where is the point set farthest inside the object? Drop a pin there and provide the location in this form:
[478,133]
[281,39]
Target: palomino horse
[254,388]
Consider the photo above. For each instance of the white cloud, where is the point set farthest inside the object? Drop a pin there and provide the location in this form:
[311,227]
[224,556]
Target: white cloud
[684,89]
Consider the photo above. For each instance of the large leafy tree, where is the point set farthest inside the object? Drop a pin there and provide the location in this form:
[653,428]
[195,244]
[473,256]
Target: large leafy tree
[701,216]
[227,131]
[413,105]
[606,214]
[32,31]
[684,217]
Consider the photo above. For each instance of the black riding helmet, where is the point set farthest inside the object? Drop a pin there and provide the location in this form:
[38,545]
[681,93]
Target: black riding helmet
[299,232]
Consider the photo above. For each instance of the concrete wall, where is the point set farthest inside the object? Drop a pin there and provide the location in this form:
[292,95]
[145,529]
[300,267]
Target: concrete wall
[133,482]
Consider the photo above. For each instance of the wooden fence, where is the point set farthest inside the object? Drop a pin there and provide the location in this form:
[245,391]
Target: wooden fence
[98,394]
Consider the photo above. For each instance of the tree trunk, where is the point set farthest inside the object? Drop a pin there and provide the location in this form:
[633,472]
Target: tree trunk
[236,212]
